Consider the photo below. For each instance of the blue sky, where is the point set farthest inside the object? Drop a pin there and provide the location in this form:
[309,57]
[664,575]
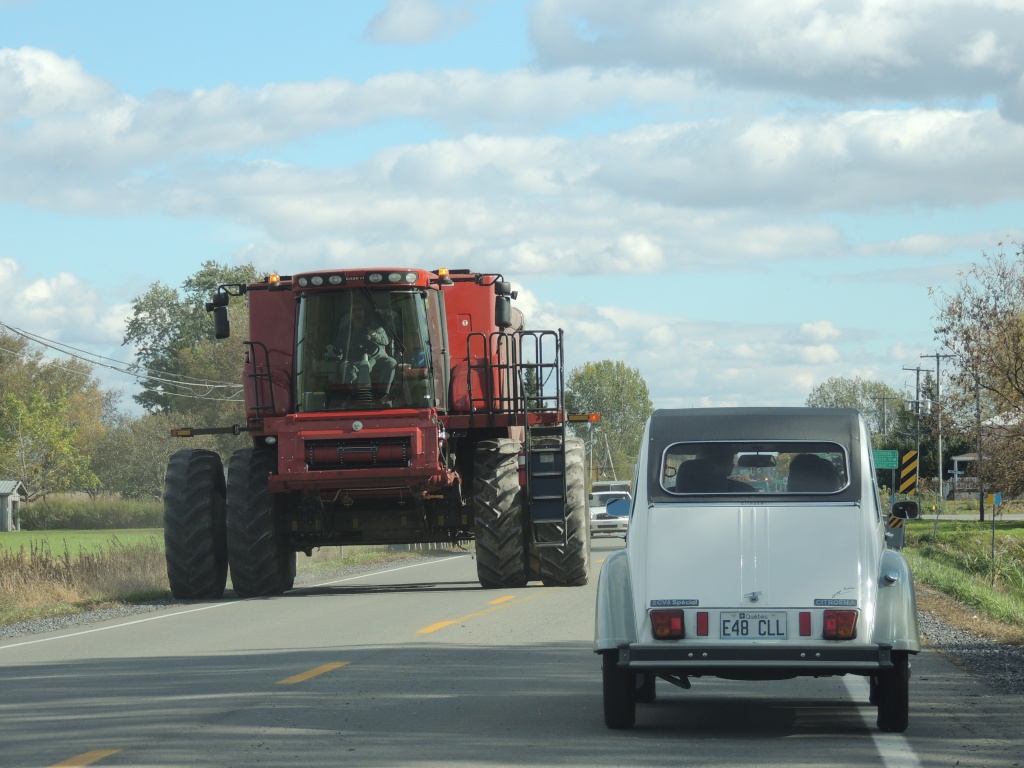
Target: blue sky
[739,198]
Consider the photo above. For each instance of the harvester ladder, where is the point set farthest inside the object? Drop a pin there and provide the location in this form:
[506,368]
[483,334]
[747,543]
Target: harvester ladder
[542,393]
[261,379]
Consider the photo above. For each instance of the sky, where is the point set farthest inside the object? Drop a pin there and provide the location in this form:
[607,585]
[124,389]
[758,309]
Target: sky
[738,198]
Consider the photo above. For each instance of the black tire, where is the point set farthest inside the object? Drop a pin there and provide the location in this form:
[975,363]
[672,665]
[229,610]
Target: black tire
[568,565]
[893,692]
[619,689]
[195,542]
[499,529]
[645,691]
[257,549]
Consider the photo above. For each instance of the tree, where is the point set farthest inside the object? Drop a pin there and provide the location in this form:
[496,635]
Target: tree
[51,417]
[982,324]
[881,405]
[186,370]
[132,457]
[620,395]
[38,445]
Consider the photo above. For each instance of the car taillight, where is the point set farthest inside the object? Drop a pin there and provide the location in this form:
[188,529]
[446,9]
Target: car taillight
[840,625]
[667,624]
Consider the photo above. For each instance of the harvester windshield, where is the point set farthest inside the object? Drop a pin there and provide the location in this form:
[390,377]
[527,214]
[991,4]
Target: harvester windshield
[364,348]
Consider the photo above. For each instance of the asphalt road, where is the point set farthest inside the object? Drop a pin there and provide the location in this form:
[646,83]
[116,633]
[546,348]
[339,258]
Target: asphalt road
[418,666]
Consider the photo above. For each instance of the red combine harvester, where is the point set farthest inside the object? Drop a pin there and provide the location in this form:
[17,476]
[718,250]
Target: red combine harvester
[385,406]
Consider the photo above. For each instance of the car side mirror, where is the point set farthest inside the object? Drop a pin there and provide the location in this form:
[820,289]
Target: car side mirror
[906,510]
[617,508]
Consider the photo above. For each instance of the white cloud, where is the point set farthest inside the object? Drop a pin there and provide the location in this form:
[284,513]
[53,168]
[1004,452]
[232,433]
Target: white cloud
[406,22]
[874,48]
[819,331]
[62,307]
[36,83]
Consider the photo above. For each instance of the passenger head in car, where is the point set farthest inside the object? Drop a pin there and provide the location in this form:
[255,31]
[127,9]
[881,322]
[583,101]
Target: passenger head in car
[812,474]
[710,471]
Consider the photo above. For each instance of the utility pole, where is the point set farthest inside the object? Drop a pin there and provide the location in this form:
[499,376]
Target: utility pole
[917,425]
[938,412]
[884,399]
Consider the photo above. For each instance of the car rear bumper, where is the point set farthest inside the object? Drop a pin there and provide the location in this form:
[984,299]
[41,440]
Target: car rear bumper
[731,659]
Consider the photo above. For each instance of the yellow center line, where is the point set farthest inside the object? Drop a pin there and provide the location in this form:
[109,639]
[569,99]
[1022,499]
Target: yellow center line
[500,603]
[87,758]
[311,673]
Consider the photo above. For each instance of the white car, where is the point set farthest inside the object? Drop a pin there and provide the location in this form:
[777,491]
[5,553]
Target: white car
[603,522]
[756,551]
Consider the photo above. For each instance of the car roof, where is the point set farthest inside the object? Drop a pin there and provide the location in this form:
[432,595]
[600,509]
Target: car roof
[840,425]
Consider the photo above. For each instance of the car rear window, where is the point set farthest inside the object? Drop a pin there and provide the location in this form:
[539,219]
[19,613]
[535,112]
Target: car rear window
[736,467]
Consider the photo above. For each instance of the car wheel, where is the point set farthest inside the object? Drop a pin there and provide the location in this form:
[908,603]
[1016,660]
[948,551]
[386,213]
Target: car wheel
[619,692]
[894,695]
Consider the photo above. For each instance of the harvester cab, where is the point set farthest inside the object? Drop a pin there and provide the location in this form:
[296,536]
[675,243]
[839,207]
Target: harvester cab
[384,406]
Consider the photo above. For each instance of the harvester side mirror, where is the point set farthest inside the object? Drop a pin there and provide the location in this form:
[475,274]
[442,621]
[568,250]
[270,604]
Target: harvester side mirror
[503,288]
[502,311]
[221,323]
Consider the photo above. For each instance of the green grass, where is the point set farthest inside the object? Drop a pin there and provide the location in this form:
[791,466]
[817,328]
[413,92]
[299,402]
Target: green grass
[75,541]
[958,558]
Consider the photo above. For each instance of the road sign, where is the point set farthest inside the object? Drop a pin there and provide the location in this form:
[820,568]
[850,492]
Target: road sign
[908,472]
[886,459]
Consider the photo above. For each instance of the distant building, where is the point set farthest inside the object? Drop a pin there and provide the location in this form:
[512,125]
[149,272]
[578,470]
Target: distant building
[12,494]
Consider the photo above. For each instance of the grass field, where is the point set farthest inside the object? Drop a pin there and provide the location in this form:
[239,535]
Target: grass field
[53,573]
[78,541]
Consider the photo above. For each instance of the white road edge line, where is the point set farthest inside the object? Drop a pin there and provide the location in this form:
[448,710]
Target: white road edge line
[893,748]
[38,640]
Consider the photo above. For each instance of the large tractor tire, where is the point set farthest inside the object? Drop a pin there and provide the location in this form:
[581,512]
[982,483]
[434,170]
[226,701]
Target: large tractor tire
[567,565]
[261,563]
[195,541]
[499,527]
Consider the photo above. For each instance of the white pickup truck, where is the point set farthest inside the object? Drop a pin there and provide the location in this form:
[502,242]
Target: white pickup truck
[756,551]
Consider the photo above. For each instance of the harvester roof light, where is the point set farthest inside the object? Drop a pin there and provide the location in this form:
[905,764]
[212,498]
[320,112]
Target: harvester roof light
[374,277]
[394,277]
[317,280]
[274,279]
[335,279]
[442,272]
[410,277]
[303,282]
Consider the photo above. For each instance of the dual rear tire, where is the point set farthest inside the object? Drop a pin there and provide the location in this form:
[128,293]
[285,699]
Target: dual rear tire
[209,524]
[195,537]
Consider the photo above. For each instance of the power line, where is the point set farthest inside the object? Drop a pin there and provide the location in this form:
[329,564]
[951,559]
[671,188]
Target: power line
[200,389]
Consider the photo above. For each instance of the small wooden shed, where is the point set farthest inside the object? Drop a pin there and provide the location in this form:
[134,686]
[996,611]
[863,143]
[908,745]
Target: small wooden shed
[12,494]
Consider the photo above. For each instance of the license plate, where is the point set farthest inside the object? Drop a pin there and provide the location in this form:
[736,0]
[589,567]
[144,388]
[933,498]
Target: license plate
[759,625]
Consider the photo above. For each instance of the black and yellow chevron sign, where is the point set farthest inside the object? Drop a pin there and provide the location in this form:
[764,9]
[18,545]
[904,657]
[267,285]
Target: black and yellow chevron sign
[908,472]
[895,522]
